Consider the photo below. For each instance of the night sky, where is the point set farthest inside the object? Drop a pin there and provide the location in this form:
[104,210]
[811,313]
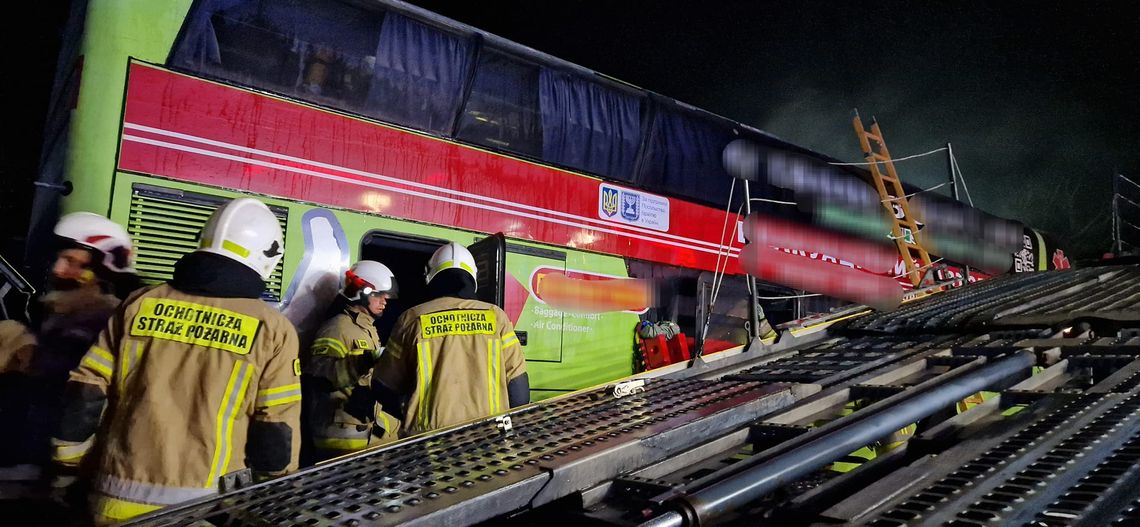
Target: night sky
[1040,99]
[1041,102]
[29,69]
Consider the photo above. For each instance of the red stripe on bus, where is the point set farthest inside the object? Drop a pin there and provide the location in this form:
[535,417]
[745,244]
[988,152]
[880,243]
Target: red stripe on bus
[176,104]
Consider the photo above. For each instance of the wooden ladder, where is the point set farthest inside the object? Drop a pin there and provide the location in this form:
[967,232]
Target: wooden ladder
[904,230]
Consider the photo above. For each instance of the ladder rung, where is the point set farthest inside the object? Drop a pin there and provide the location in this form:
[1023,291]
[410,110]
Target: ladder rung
[875,156]
[870,135]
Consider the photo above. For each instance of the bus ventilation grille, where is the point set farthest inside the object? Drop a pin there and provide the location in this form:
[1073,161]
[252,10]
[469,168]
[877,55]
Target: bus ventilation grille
[164,224]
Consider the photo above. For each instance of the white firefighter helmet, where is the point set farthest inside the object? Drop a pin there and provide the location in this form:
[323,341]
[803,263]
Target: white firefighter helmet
[245,230]
[451,256]
[367,277]
[96,232]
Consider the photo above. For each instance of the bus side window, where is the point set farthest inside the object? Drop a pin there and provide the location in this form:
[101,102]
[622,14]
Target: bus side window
[682,144]
[502,110]
[588,125]
[320,50]
[419,75]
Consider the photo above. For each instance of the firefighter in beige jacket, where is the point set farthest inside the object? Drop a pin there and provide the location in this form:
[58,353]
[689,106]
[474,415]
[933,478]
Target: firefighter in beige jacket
[191,381]
[342,416]
[93,271]
[451,359]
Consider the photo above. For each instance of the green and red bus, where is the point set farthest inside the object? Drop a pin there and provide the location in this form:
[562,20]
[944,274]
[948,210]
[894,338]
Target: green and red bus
[378,130]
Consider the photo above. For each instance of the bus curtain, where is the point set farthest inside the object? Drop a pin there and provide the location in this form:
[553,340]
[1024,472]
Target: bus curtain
[685,156]
[588,126]
[339,27]
[200,45]
[419,75]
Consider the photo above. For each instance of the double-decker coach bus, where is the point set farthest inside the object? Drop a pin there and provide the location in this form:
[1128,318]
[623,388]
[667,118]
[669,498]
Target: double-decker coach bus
[377,130]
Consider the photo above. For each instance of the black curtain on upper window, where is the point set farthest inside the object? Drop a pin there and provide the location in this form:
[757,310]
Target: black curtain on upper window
[419,75]
[684,157]
[588,126]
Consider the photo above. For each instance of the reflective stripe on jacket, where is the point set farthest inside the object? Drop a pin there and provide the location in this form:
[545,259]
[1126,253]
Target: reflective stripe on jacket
[342,356]
[454,358]
[188,383]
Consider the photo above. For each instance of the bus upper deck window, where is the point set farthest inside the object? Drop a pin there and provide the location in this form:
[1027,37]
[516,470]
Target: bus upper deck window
[319,50]
[502,111]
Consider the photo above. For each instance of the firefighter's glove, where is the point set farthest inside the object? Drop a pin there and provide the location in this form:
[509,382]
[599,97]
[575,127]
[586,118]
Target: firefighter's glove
[361,404]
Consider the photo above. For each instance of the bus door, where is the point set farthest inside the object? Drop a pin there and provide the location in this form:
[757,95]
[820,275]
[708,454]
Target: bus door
[491,263]
[508,275]
[538,324]
[406,256]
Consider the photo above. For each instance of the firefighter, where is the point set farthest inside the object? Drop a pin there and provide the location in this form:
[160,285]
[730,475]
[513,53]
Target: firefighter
[341,413]
[92,272]
[451,359]
[193,383]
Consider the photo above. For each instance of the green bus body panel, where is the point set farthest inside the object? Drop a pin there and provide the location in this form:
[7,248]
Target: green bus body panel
[114,31]
[565,351]
[597,342]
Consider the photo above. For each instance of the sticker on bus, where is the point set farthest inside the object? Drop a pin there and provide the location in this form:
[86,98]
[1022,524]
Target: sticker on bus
[633,207]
